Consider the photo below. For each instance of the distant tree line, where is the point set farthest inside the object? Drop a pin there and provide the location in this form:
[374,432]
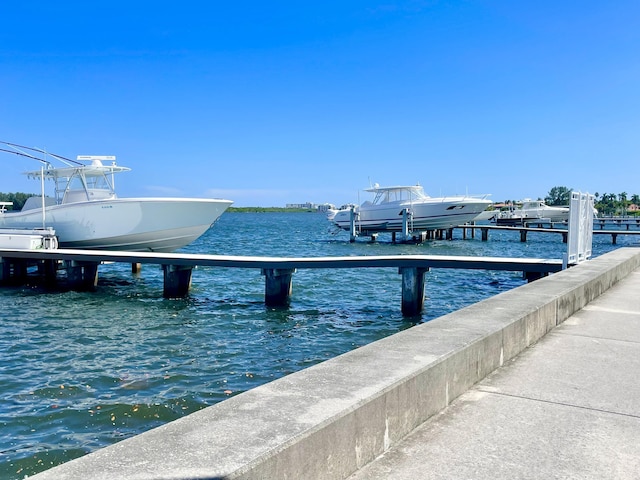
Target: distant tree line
[606,203]
[17,198]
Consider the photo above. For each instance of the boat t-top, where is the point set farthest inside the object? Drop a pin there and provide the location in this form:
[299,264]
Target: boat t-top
[392,206]
[86,212]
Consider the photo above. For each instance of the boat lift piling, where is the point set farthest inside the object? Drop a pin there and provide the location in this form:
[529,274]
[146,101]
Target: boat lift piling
[407,218]
[353,232]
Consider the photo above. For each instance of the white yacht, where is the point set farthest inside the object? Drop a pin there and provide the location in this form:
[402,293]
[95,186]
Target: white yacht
[530,211]
[392,206]
[85,211]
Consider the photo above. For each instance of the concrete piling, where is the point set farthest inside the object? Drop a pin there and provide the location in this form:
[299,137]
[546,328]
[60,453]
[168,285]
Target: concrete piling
[177,280]
[277,286]
[82,275]
[412,290]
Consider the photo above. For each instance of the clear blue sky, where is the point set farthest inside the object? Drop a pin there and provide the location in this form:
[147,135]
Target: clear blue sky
[274,102]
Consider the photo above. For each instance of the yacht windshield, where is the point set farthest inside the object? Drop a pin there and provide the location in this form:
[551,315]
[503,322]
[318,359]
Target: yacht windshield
[398,195]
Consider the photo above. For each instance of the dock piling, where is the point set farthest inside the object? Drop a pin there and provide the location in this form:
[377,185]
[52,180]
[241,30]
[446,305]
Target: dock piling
[13,271]
[277,286]
[82,275]
[48,270]
[177,280]
[412,289]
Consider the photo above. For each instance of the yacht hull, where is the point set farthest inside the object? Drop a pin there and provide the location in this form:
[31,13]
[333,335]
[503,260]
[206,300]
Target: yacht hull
[131,224]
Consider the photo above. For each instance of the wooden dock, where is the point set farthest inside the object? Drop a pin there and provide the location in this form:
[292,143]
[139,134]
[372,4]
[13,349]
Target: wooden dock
[81,268]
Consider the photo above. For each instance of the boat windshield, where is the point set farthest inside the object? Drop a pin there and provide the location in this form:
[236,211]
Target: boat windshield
[398,194]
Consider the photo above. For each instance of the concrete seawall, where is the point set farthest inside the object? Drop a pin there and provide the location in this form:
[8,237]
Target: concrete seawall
[331,419]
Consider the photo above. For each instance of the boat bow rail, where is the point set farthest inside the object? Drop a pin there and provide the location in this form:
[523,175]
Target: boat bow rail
[82,266]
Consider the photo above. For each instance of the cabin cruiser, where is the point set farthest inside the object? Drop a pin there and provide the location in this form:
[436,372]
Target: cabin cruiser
[530,211]
[394,206]
[86,213]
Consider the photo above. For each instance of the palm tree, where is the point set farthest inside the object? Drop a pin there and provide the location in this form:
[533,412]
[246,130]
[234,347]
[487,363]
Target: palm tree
[623,202]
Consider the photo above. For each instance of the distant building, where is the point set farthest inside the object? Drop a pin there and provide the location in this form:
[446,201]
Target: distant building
[307,205]
[322,207]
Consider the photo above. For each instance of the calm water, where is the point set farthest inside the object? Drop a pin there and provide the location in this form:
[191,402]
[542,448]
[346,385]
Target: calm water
[79,371]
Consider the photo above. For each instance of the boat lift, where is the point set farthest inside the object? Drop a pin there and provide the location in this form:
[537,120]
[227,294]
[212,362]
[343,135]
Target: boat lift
[407,224]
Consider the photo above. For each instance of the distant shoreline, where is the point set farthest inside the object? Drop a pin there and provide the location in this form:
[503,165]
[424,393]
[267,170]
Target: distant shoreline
[269,210]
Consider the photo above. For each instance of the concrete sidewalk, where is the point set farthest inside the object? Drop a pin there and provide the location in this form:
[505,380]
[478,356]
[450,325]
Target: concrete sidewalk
[568,407]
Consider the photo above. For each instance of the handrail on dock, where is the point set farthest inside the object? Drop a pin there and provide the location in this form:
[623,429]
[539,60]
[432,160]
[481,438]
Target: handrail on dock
[82,268]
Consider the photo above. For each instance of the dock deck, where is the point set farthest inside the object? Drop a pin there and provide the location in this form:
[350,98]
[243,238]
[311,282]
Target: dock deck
[82,268]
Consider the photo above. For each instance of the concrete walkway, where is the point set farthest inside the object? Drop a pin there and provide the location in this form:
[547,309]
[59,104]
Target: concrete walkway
[568,407]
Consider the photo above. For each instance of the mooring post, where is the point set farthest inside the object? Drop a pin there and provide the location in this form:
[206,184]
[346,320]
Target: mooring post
[412,289]
[449,233]
[177,280]
[136,267]
[523,235]
[82,275]
[485,234]
[277,286]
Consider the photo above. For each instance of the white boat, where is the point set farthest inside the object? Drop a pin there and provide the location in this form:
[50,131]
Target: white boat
[391,207]
[485,216]
[530,211]
[86,213]
[331,212]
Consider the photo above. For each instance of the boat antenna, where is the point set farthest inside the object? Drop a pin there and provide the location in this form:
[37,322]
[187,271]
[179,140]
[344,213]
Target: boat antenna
[17,151]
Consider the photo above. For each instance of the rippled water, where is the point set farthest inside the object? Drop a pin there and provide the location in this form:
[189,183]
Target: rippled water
[79,371]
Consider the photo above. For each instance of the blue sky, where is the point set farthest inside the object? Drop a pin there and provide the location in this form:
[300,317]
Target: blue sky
[268,103]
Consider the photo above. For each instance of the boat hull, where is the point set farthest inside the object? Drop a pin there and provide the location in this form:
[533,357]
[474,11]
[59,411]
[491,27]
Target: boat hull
[432,214]
[130,224]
